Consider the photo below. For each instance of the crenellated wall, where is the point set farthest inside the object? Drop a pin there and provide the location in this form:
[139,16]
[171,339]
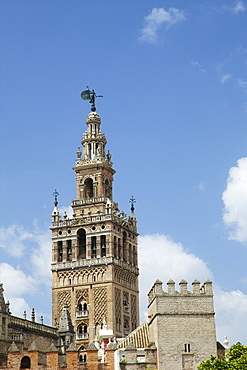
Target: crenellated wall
[181,324]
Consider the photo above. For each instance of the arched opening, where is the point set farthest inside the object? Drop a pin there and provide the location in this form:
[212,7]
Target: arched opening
[25,362]
[88,188]
[107,189]
[124,246]
[119,248]
[115,247]
[60,251]
[69,250]
[93,247]
[82,310]
[82,332]
[103,245]
[81,240]
[82,357]
[126,326]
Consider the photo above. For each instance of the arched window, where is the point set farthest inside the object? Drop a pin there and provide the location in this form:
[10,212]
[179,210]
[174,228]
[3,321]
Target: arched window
[82,355]
[81,241]
[119,248]
[124,246]
[82,308]
[107,189]
[69,250]
[25,362]
[88,188]
[115,247]
[103,245]
[60,250]
[82,332]
[93,247]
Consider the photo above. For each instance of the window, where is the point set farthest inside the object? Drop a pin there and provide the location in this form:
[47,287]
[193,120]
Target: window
[82,332]
[81,242]
[187,347]
[60,250]
[88,188]
[93,246]
[25,362]
[103,245]
[69,250]
[124,246]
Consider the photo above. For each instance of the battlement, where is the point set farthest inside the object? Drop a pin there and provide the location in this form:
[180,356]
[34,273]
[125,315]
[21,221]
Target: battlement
[198,301]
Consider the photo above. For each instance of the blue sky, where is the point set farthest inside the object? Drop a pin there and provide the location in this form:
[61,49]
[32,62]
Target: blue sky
[174,111]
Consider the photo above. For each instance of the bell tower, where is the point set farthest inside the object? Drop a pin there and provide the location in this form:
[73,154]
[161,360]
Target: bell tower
[94,253]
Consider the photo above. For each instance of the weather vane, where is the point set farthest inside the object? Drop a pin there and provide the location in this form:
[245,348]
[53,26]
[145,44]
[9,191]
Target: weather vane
[55,194]
[132,201]
[90,95]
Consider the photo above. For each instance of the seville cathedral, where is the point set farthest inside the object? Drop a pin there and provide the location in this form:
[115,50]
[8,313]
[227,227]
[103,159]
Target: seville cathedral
[95,292]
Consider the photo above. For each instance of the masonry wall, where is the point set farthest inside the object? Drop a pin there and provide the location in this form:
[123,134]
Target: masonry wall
[182,325]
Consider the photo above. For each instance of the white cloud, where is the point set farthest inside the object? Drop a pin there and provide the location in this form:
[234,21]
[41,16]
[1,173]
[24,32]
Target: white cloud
[68,210]
[16,283]
[41,256]
[162,258]
[235,201]
[157,18]
[197,65]
[237,8]
[242,84]
[201,186]
[231,313]
[225,77]
[13,239]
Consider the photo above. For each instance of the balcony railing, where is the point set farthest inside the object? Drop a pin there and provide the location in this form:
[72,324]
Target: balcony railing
[83,313]
[80,336]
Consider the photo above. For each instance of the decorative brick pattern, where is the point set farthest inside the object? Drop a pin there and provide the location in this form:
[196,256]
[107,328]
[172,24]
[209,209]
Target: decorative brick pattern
[133,312]
[100,304]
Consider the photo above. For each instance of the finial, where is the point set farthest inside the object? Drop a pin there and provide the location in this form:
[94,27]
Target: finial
[132,201]
[33,315]
[90,95]
[55,194]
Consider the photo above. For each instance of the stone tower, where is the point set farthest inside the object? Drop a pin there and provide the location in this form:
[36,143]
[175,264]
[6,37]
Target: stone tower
[94,253]
[181,324]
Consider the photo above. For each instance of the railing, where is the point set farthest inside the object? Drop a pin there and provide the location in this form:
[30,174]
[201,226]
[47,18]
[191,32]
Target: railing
[93,262]
[121,221]
[83,313]
[17,321]
[16,337]
[91,200]
[80,336]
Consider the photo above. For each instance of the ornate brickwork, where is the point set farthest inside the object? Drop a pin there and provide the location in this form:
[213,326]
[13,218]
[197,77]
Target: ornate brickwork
[82,294]
[118,310]
[133,311]
[124,277]
[100,304]
[64,298]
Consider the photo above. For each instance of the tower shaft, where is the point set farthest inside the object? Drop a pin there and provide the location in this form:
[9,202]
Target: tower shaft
[94,253]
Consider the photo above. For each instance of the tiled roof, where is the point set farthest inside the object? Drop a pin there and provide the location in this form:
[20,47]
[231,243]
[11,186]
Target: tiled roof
[139,337]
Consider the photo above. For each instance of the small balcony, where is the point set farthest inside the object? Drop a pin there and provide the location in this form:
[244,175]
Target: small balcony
[81,336]
[83,313]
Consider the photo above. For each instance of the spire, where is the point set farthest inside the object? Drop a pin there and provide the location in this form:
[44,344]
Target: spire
[132,208]
[55,213]
[93,143]
[65,323]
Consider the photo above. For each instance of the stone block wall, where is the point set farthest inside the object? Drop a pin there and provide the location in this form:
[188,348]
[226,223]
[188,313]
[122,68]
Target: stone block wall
[182,324]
